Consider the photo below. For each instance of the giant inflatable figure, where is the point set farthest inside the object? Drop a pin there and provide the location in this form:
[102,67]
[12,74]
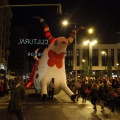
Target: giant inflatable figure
[52,64]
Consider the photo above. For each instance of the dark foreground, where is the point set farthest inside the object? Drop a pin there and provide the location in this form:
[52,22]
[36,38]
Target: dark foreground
[60,108]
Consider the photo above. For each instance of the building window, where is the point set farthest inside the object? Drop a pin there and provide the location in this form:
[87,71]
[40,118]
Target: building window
[112,56]
[85,53]
[95,57]
[69,63]
[69,53]
[118,54]
[104,57]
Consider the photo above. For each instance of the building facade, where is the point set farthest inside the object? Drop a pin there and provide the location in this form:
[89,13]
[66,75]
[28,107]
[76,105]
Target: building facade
[98,60]
[19,52]
[5,25]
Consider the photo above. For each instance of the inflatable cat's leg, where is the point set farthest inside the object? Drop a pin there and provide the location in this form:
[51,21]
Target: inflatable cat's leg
[68,91]
[43,90]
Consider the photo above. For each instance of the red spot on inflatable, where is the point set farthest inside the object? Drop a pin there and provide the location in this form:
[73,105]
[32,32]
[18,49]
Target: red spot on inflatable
[37,75]
[31,81]
[55,59]
[63,42]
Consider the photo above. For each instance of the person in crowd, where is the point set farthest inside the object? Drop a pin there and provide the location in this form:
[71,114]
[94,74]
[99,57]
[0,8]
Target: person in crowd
[94,95]
[102,94]
[71,84]
[83,92]
[111,97]
[118,96]
[51,89]
[77,89]
[6,91]
[1,88]
[15,106]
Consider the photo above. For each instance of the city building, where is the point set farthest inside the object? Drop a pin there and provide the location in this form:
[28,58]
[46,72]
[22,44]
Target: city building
[99,61]
[9,48]
[18,63]
[5,25]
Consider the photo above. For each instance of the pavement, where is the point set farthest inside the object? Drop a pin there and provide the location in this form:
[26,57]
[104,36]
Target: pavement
[105,114]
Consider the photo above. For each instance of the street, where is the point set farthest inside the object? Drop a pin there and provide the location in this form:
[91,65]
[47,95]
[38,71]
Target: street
[60,108]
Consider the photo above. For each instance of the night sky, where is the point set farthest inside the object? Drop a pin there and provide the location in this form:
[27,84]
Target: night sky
[102,15]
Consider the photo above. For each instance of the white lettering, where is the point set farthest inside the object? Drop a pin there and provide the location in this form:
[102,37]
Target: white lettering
[28,54]
[21,41]
[27,41]
[46,42]
[31,54]
[39,54]
[30,41]
[33,41]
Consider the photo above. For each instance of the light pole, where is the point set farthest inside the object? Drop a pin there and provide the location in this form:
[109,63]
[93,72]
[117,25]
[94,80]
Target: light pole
[90,44]
[65,23]
[90,31]
[83,67]
[104,53]
[90,58]
[117,69]
[59,7]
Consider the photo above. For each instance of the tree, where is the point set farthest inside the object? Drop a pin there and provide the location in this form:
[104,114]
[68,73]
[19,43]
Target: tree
[109,67]
[85,64]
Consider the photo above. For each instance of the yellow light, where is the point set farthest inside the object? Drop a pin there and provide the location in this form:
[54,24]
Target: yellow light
[83,60]
[86,42]
[104,53]
[65,22]
[90,30]
[117,64]
[93,42]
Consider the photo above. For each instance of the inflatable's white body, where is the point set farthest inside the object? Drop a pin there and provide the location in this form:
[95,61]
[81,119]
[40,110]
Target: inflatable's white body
[52,64]
[45,73]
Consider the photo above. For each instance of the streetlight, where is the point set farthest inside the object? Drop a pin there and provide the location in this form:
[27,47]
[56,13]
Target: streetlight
[65,23]
[90,44]
[104,53]
[83,60]
[90,30]
[117,64]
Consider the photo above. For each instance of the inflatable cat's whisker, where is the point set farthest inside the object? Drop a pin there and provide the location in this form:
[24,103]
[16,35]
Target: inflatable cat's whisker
[52,64]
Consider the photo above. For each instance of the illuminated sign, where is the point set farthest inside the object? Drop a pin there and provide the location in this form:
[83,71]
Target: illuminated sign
[33,42]
[33,54]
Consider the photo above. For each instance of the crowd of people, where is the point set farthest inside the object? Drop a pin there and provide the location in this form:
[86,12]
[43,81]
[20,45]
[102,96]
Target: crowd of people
[3,87]
[105,91]
[102,91]
[14,87]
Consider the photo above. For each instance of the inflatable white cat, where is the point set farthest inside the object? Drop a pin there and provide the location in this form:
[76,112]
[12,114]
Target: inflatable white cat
[52,64]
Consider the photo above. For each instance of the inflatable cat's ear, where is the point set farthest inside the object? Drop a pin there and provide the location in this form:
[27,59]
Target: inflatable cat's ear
[50,37]
[73,33]
[46,29]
